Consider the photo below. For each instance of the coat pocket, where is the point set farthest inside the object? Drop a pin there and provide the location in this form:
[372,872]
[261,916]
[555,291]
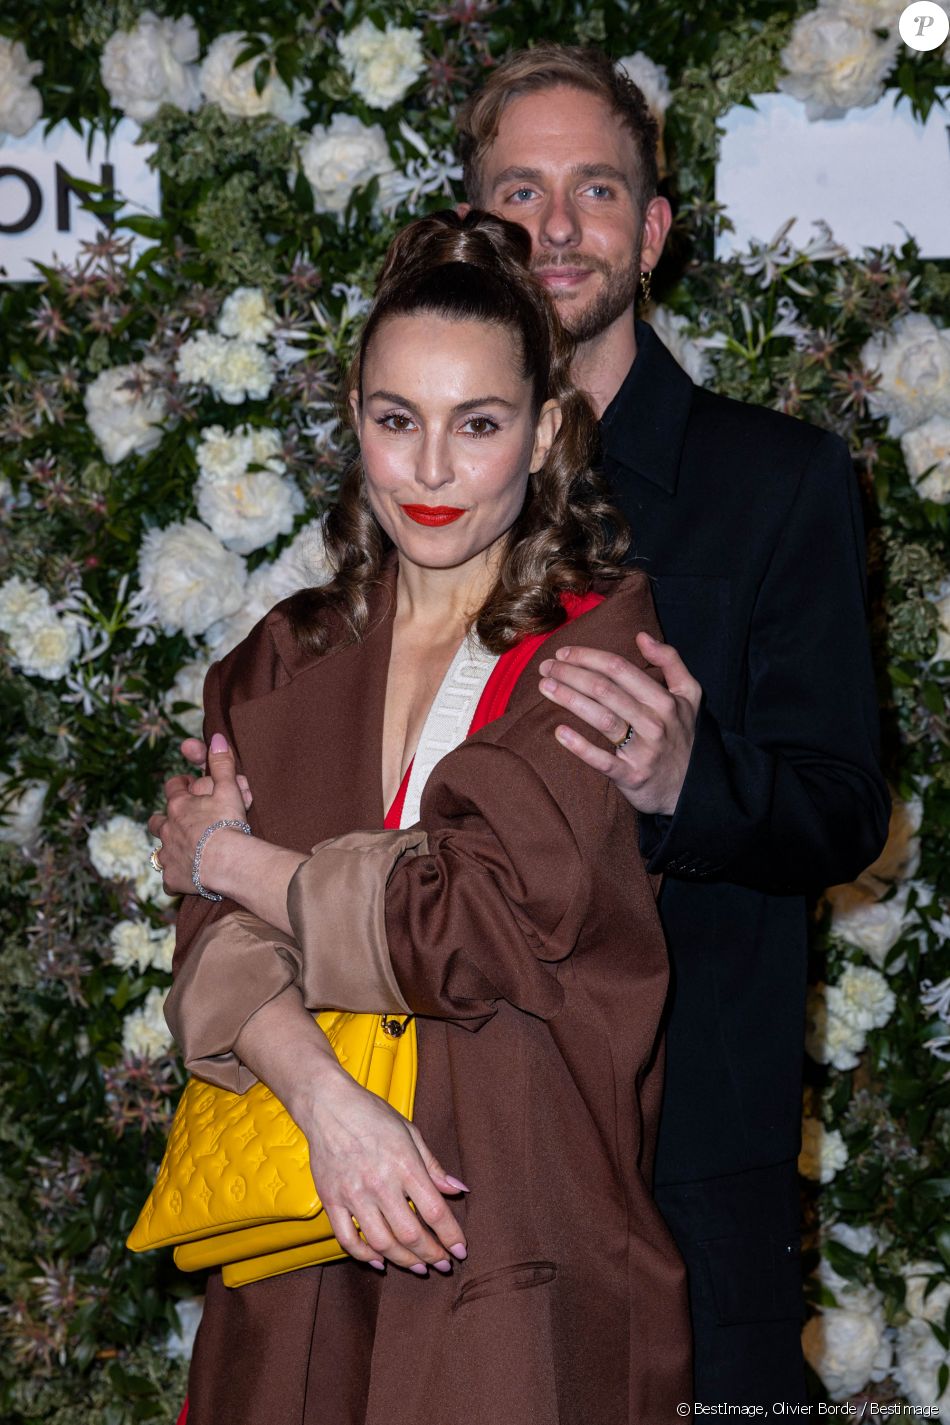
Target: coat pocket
[506,1279]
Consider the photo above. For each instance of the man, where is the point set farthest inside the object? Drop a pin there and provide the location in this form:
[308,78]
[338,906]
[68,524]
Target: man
[755,768]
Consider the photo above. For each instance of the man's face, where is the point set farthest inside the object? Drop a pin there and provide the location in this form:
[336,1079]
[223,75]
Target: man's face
[564,167]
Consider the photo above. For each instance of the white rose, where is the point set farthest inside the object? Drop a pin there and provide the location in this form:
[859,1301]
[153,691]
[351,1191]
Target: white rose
[835,63]
[847,1348]
[189,577]
[149,889]
[651,79]
[234,90]
[249,512]
[118,848]
[942,604]
[145,1034]
[920,1357]
[132,945]
[874,14]
[22,602]
[670,327]
[382,64]
[179,1344]
[913,360]
[151,65]
[862,998]
[861,919]
[927,453]
[824,1151]
[829,1039]
[223,454]
[188,687]
[920,1299]
[245,314]
[300,566]
[234,369]
[342,157]
[901,855]
[21,811]
[124,411]
[20,102]
[46,648]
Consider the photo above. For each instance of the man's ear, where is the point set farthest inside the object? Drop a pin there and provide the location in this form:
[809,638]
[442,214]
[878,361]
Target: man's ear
[462,209]
[657,221]
[547,427]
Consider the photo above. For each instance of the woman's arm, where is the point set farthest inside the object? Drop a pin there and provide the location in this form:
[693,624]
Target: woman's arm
[367,1161]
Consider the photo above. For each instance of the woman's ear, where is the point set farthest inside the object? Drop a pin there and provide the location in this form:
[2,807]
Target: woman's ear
[353,401]
[547,427]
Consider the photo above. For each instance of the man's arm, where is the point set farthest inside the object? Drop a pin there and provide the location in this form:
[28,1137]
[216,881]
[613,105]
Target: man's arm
[795,800]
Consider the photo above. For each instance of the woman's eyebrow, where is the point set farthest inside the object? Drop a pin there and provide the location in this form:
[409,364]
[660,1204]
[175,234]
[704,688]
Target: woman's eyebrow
[471,405]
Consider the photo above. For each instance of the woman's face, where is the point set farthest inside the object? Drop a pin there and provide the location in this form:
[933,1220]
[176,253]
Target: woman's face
[447,435]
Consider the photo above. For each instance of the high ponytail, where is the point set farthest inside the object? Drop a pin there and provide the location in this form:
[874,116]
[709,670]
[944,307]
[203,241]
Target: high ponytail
[477,268]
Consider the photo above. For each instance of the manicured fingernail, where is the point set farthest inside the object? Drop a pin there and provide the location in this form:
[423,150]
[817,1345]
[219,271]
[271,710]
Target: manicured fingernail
[219,743]
[442,1266]
[454,1182]
[375,1262]
[459,1252]
[420,1269]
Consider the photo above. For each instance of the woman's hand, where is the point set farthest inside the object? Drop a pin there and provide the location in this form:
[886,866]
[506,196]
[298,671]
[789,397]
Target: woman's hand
[368,1163]
[192,804]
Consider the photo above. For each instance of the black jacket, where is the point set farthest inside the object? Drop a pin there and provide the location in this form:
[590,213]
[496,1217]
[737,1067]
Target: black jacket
[750,525]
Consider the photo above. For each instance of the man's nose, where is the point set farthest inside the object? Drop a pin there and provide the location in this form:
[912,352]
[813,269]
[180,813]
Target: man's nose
[560,225]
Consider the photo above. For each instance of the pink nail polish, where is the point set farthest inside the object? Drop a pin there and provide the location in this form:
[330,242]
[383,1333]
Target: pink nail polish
[443,1266]
[420,1269]
[219,743]
[459,1252]
[454,1182]
[375,1262]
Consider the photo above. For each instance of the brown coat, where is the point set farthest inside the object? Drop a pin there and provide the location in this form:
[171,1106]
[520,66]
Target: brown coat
[525,934]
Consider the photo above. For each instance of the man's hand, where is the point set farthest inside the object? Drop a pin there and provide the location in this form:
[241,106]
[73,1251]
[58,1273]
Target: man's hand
[610,694]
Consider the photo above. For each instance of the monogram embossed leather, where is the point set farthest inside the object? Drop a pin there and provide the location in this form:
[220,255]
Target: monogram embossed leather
[235,1182]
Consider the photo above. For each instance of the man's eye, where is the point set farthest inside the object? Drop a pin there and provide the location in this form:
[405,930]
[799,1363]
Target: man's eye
[599,190]
[521,195]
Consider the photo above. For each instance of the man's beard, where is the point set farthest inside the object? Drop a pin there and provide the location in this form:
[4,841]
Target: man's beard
[616,296]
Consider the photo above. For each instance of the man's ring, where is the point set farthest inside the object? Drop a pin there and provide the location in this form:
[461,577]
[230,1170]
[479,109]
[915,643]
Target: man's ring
[155,863]
[627,737]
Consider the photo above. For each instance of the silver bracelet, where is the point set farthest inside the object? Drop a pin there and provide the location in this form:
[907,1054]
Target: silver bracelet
[196,863]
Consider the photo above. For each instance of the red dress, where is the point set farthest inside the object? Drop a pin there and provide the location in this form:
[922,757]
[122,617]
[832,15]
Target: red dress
[492,704]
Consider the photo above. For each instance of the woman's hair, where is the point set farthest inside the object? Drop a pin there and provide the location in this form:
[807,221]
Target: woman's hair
[476,268]
[552,66]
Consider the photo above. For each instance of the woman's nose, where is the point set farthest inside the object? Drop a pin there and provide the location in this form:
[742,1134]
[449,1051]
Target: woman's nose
[434,462]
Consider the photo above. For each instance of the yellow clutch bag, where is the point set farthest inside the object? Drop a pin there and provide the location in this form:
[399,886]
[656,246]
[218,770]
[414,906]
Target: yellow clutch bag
[235,1189]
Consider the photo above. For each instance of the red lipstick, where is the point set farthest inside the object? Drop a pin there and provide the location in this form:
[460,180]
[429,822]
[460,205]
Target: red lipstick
[432,514]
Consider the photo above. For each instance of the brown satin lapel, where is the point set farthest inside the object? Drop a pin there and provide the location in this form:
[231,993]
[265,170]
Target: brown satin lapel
[312,749]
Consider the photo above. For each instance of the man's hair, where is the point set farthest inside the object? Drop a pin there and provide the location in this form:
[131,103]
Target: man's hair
[548,66]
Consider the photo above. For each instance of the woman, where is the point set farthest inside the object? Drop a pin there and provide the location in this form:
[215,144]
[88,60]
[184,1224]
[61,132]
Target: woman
[514,916]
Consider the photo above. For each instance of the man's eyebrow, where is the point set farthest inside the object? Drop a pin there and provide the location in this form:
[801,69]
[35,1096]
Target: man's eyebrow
[580,170]
[471,405]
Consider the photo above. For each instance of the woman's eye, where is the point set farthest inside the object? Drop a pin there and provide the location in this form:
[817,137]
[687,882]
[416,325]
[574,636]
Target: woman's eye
[480,425]
[396,421]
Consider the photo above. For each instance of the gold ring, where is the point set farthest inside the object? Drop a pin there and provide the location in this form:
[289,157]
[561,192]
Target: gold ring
[619,746]
[154,861]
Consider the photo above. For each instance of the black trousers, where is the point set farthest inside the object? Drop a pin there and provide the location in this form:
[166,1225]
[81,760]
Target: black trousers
[740,1239]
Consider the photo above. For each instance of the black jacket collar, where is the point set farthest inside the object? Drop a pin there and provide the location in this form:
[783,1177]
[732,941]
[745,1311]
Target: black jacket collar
[644,426]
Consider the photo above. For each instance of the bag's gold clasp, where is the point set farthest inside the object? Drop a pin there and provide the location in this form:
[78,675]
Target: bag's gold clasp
[395,1028]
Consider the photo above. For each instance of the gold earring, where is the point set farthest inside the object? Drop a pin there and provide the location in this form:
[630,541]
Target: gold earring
[645,285]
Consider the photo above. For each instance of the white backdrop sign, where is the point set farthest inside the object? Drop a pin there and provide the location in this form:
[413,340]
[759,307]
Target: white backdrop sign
[41,219]
[875,176]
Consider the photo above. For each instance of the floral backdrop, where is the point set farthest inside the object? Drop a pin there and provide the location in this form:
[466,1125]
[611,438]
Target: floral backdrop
[168,438]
